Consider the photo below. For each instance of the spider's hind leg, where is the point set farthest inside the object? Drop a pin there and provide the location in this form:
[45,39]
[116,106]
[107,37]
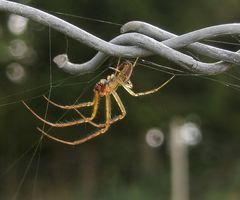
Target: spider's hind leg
[93,135]
[135,62]
[113,120]
[131,92]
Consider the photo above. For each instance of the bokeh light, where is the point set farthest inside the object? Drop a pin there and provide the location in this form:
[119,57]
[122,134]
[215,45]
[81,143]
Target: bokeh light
[18,48]
[15,72]
[17,24]
[154,137]
[190,134]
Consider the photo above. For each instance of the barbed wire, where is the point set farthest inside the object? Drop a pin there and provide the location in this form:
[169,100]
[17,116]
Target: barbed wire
[138,39]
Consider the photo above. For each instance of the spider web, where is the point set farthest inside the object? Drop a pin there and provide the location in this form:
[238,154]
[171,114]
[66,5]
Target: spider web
[35,149]
[232,82]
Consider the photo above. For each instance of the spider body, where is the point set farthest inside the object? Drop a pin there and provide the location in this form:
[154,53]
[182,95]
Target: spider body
[105,88]
[113,81]
[125,71]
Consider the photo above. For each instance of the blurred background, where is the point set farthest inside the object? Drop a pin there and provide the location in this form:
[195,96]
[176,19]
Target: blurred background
[188,134]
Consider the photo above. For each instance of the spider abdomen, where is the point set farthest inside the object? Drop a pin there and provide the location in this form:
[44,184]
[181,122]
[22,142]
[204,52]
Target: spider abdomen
[126,69]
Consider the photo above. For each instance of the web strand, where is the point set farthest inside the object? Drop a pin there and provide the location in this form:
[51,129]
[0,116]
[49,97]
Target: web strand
[62,83]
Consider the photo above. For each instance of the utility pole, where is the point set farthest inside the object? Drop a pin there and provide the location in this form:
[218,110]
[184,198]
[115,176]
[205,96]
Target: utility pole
[182,135]
[179,163]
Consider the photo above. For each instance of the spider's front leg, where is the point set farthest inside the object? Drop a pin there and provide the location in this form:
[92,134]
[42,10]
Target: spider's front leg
[70,123]
[71,107]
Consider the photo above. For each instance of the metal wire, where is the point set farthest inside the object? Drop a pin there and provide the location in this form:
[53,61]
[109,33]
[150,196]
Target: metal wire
[143,40]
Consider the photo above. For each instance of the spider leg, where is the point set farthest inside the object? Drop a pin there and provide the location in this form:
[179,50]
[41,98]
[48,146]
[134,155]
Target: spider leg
[69,107]
[131,92]
[95,134]
[118,64]
[121,106]
[135,62]
[116,69]
[116,118]
[70,123]
[89,121]
[129,84]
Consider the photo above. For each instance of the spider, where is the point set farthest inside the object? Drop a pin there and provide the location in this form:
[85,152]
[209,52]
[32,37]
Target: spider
[105,88]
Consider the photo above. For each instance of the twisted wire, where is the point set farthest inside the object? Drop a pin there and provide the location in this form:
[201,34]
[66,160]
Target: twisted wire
[138,39]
